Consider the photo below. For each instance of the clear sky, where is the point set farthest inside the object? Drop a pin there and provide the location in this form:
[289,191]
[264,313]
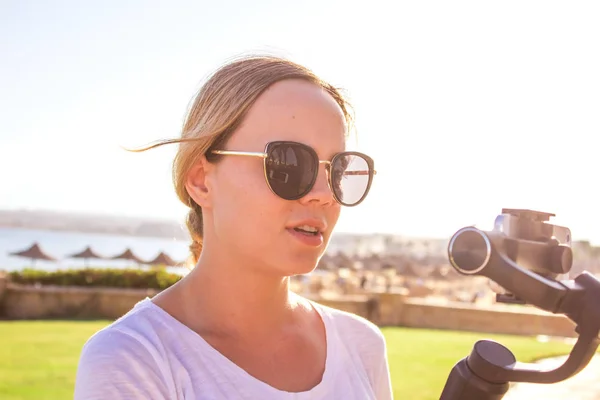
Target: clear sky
[466,106]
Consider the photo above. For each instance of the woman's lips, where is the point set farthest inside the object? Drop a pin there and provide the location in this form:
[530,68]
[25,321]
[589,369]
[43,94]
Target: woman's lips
[308,239]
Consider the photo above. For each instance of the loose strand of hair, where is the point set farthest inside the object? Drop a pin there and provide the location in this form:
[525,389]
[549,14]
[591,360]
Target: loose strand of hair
[162,142]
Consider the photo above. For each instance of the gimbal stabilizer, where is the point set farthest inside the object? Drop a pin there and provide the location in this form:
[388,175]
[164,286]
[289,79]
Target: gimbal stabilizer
[524,255]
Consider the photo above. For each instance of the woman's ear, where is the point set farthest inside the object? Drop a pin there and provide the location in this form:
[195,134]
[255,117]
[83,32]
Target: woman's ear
[197,184]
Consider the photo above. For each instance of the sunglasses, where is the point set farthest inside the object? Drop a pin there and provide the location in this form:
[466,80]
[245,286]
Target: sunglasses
[291,171]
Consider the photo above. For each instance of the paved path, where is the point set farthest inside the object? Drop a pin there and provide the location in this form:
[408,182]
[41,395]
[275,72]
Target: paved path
[583,386]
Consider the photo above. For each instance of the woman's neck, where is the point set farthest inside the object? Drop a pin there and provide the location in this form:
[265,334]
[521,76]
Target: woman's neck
[235,299]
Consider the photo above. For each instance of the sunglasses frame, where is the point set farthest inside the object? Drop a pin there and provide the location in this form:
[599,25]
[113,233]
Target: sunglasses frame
[264,155]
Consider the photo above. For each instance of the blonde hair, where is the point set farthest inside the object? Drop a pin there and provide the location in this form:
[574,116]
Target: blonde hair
[217,111]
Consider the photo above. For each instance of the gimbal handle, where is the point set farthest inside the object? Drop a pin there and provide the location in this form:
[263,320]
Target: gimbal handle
[485,374]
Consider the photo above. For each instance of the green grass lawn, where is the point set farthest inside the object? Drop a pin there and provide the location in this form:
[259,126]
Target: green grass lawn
[38,359]
[420,360]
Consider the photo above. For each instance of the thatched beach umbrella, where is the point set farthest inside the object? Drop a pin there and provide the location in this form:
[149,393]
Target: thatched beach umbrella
[408,269]
[129,256]
[342,260]
[325,264]
[163,259]
[34,253]
[86,254]
[373,262]
[439,272]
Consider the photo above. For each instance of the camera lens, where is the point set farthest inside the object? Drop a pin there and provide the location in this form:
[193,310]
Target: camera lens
[469,251]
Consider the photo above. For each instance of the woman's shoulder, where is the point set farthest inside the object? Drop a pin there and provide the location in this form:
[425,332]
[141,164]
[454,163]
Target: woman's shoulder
[124,358]
[352,327]
[364,343]
[136,331]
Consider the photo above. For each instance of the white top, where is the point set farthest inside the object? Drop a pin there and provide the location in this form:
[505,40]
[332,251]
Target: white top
[148,354]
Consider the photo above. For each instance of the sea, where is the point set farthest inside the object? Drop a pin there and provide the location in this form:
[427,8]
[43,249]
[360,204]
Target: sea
[62,244]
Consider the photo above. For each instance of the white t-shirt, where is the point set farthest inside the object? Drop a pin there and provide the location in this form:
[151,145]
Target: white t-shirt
[148,354]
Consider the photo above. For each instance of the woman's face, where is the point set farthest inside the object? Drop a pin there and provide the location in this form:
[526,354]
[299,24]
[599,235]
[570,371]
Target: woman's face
[248,219]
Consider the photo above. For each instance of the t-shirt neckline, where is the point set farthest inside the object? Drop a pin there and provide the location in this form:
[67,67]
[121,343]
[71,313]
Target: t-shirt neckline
[318,389]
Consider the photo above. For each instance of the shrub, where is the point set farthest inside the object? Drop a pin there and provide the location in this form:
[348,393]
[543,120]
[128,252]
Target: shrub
[90,277]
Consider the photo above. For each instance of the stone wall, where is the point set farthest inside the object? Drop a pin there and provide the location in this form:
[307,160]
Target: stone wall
[3,284]
[518,321]
[31,302]
[384,309]
[362,305]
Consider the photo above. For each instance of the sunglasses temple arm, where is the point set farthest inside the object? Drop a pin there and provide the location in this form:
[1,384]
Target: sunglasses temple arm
[358,172]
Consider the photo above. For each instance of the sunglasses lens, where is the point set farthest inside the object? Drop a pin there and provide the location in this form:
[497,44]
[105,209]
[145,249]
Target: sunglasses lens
[291,170]
[350,178]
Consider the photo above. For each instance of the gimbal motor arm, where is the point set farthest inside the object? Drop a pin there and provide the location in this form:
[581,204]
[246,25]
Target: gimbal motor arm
[485,374]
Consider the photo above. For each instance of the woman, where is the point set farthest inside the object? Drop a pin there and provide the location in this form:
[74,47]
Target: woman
[261,164]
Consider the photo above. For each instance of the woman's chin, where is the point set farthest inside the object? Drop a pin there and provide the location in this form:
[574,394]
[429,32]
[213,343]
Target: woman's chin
[299,269]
